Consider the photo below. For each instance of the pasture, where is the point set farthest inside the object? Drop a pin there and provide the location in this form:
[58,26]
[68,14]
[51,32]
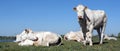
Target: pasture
[109,45]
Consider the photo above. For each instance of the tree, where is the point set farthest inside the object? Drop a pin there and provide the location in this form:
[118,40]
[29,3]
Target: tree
[112,35]
[119,34]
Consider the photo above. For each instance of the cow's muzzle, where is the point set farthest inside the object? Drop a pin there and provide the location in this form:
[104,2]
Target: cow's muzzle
[74,8]
[35,39]
[80,17]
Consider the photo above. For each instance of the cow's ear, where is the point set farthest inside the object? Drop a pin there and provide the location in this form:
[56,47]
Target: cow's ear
[85,7]
[74,8]
[27,31]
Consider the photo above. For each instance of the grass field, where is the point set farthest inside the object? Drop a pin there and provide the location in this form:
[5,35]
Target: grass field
[110,45]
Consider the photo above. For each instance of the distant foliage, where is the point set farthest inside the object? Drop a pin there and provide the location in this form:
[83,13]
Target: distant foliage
[112,35]
[62,36]
[119,34]
[7,37]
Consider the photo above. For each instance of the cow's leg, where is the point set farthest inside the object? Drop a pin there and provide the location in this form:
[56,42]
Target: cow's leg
[45,44]
[102,30]
[99,33]
[89,36]
[84,41]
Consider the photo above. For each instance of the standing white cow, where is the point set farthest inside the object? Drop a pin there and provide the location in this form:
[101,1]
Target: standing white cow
[89,20]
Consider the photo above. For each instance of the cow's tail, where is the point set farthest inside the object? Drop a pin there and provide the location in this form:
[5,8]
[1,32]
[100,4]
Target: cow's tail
[59,41]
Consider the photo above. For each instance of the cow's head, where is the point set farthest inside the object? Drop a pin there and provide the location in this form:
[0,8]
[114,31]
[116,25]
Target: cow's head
[18,38]
[30,35]
[22,36]
[70,36]
[26,34]
[66,36]
[80,9]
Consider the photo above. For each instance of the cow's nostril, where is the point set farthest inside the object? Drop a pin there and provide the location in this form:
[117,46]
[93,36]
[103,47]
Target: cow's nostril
[79,17]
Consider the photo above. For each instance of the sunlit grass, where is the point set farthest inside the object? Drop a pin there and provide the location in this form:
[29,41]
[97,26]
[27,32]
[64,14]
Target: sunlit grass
[66,46]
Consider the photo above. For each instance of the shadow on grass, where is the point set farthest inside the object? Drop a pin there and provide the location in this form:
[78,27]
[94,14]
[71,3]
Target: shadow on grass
[96,43]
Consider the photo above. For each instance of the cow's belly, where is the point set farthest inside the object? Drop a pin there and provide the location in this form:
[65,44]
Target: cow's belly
[98,26]
[98,23]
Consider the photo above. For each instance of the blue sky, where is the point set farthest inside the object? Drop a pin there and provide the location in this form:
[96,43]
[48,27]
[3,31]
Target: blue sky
[52,15]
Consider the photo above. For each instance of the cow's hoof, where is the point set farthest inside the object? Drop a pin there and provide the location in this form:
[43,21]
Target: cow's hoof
[91,45]
[84,44]
[100,43]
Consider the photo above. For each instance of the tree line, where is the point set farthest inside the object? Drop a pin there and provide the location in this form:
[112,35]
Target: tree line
[13,37]
[7,37]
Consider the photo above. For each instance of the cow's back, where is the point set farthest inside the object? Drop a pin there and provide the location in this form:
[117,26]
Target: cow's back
[99,16]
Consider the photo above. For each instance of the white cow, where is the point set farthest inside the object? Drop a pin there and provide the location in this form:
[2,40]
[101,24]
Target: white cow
[106,37]
[76,36]
[89,20]
[40,38]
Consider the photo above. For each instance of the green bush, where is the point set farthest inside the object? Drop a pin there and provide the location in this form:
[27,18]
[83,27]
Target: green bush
[119,34]
[7,38]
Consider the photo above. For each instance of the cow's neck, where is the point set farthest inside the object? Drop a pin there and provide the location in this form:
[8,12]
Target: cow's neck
[87,16]
[87,10]
[86,20]
[83,24]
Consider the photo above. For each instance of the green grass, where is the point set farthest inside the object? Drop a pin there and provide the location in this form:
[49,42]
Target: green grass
[110,45]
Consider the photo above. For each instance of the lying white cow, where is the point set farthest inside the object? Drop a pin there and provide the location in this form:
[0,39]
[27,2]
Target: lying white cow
[89,20]
[38,38]
[106,37]
[78,36]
